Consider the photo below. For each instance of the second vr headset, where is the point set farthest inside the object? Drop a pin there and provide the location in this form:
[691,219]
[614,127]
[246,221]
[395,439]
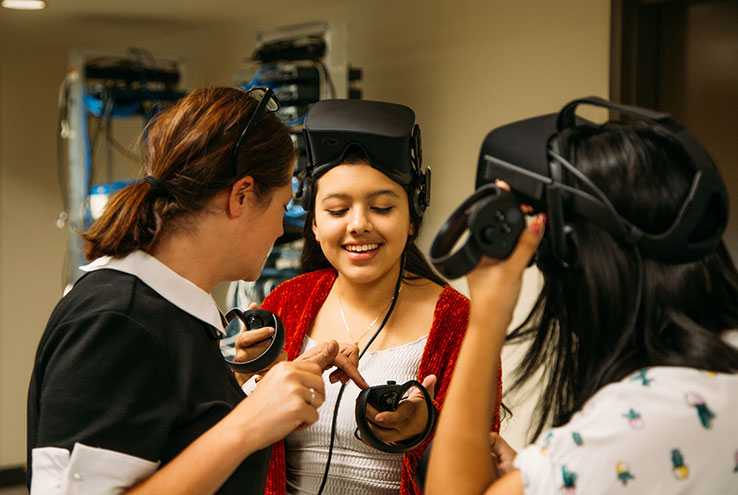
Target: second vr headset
[531,156]
[386,133]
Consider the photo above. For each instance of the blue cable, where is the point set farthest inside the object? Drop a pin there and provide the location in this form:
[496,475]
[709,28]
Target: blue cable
[294,213]
[299,120]
[96,107]
[256,80]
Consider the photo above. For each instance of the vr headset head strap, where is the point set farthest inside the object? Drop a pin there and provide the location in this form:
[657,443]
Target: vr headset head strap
[685,239]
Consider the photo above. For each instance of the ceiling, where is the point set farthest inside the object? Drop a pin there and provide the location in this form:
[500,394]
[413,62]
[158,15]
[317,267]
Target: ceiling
[173,10]
[62,15]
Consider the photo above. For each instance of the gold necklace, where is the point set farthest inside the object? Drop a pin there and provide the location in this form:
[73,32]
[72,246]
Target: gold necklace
[371,325]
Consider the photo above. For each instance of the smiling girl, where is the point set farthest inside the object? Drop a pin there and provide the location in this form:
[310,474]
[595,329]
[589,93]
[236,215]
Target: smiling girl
[365,197]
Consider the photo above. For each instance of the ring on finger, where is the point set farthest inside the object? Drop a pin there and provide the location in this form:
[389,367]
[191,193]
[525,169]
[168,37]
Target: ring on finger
[312,396]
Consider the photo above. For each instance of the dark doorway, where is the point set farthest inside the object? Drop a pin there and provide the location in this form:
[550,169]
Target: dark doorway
[681,57]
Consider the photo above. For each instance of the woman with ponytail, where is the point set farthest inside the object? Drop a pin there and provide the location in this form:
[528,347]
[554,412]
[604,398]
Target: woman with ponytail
[130,393]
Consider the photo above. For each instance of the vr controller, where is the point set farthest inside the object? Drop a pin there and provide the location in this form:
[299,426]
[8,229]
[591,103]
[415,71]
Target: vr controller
[252,320]
[494,220]
[388,398]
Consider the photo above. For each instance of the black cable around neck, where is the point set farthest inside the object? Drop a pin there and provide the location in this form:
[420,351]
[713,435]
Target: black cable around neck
[343,385]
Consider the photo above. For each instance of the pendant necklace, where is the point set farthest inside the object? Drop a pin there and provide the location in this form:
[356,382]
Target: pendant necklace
[371,325]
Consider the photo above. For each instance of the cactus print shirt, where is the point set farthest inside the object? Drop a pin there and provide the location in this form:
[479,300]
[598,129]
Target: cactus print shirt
[661,430]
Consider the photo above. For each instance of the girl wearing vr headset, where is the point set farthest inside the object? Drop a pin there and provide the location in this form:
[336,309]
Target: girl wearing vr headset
[365,193]
[640,383]
[129,391]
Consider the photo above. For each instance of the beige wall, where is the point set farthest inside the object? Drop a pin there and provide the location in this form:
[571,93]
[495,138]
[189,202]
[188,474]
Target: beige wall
[465,67]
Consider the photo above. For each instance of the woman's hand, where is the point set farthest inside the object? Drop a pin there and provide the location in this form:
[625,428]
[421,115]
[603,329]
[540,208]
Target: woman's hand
[498,282]
[286,400]
[461,460]
[345,357]
[351,352]
[494,285]
[502,454]
[408,421]
[250,344]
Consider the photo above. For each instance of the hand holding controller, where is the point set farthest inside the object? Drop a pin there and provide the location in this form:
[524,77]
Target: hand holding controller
[252,320]
[388,398]
[494,220]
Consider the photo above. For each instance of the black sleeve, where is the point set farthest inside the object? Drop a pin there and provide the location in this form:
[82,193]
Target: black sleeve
[105,383]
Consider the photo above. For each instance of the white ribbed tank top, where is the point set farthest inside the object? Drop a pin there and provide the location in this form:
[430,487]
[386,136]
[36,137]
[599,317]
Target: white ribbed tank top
[355,467]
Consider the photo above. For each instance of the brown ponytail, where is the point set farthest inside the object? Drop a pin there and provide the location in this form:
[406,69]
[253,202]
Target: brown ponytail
[189,158]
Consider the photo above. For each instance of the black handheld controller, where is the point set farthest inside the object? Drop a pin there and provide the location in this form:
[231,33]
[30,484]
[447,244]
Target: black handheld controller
[387,398]
[253,319]
[494,220]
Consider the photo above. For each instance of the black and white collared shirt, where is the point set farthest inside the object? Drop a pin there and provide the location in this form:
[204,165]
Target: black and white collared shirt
[128,373]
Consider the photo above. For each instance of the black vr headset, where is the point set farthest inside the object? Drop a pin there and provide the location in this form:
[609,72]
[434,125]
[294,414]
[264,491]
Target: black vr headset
[531,156]
[385,132]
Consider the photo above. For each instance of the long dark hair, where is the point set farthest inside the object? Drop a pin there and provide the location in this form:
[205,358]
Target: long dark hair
[312,258]
[189,151]
[580,328]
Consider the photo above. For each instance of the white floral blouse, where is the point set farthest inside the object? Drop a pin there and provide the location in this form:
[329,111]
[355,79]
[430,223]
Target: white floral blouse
[662,430]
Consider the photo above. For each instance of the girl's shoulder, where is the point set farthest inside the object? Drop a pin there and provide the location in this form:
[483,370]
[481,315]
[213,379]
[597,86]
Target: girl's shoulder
[661,396]
[307,281]
[429,289]
[659,430]
[300,289]
[454,297]
[449,308]
[452,303]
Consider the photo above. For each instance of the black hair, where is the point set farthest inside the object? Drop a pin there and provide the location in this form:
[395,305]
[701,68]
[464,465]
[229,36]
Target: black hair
[581,327]
[416,266]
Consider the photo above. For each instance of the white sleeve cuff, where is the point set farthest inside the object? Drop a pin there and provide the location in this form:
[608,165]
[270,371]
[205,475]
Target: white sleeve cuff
[249,387]
[88,470]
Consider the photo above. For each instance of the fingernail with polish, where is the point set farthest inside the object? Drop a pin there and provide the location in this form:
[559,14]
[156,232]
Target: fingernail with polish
[539,223]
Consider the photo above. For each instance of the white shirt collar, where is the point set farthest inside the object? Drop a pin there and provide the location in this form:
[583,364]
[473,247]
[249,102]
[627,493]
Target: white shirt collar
[167,283]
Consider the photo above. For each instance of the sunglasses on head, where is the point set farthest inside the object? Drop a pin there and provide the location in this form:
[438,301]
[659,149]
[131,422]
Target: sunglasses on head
[267,101]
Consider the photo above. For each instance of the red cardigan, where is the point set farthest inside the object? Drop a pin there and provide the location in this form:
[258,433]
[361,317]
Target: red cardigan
[298,301]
